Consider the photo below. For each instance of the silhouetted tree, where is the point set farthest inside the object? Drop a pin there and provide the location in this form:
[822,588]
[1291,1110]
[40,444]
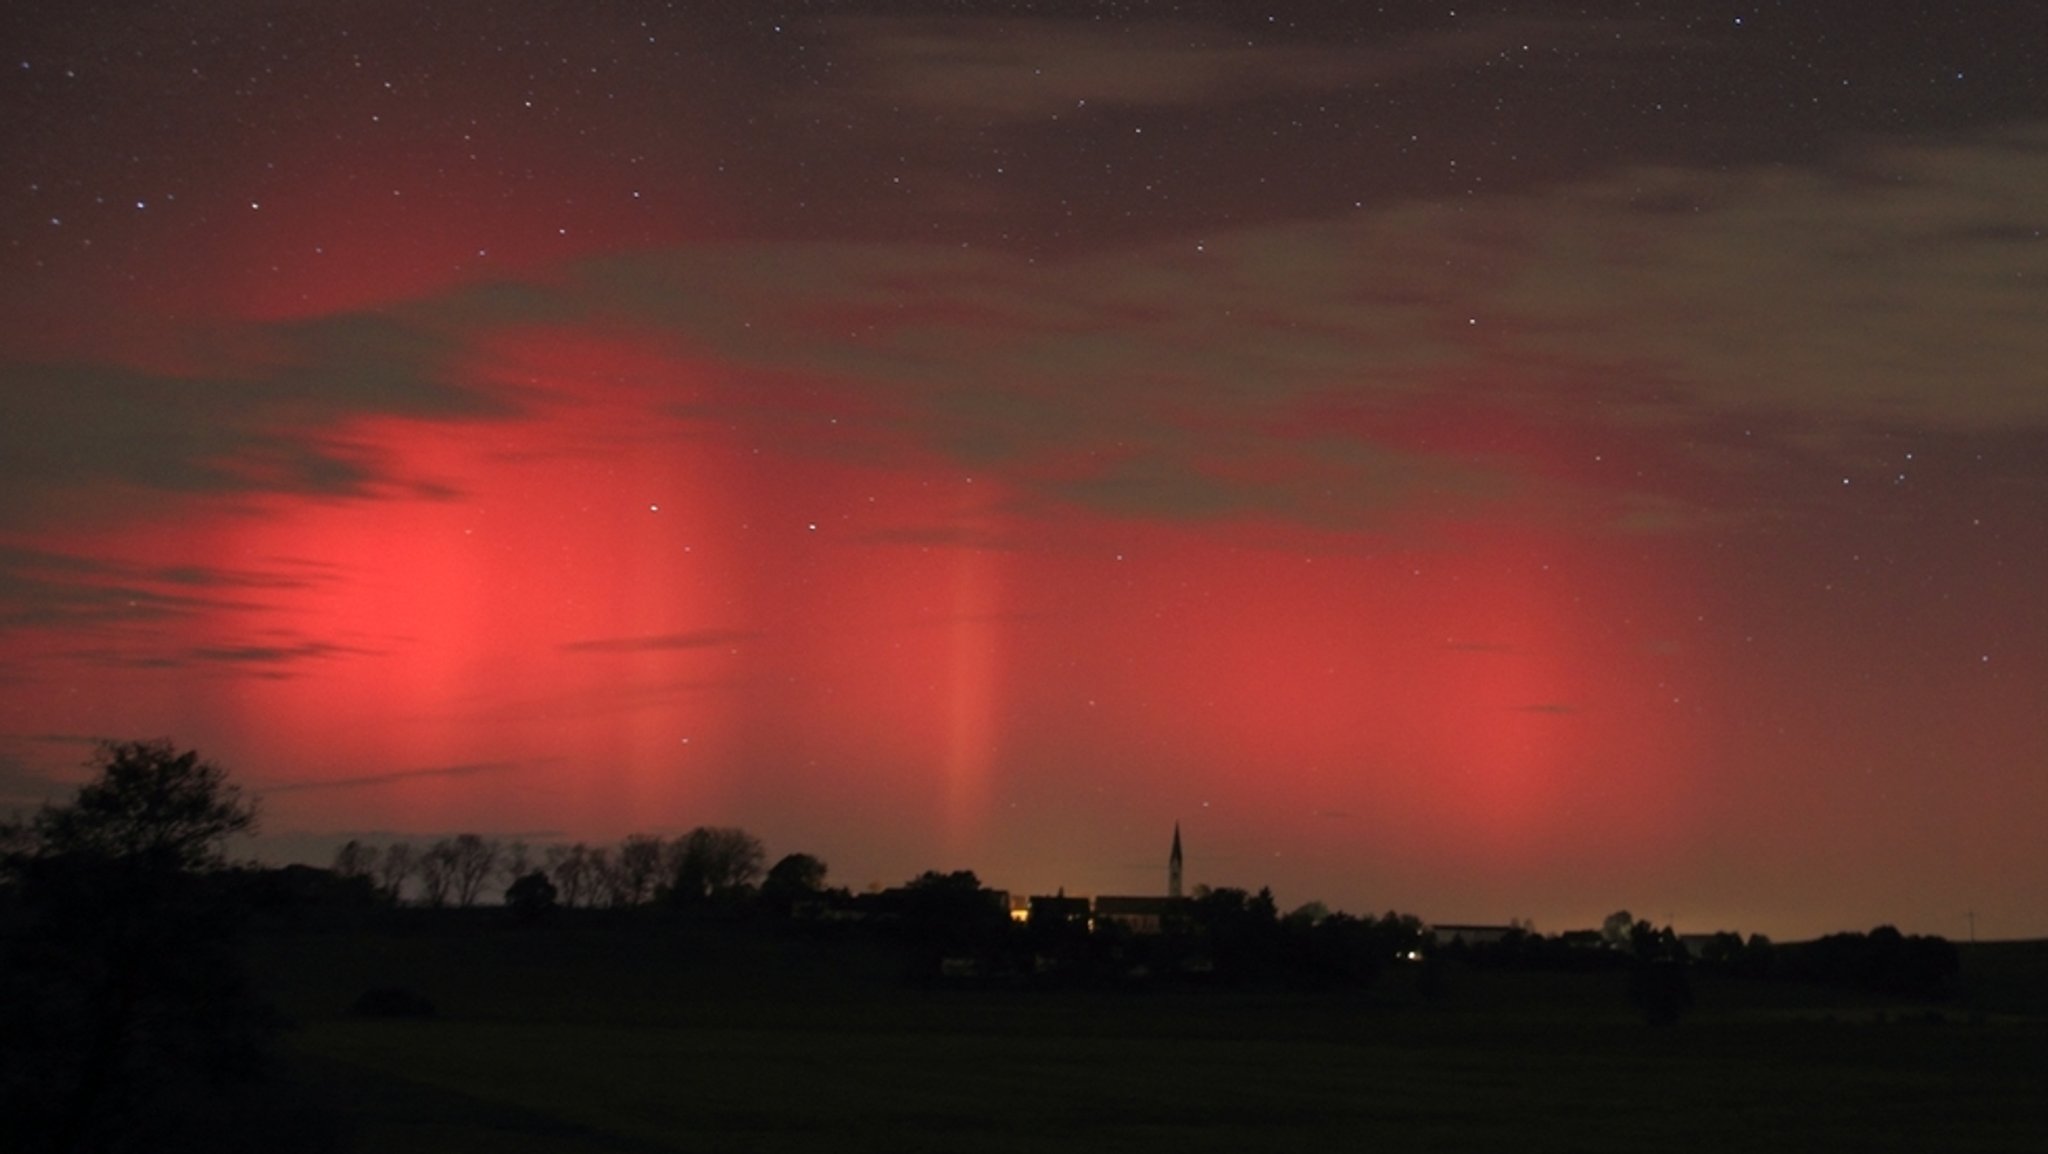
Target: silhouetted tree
[436,870]
[516,860]
[1659,981]
[795,878]
[639,860]
[1729,953]
[951,913]
[394,866]
[151,806]
[1306,916]
[354,860]
[1341,950]
[473,862]
[570,868]
[15,838]
[1262,907]
[1723,951]
[1645,940]
[125,1020]
[1616,928]
[1057,934]
[1242,931]
[608,882]
[1328,950]
[1759,957]
[530,896]
[716,862]
[1403,934]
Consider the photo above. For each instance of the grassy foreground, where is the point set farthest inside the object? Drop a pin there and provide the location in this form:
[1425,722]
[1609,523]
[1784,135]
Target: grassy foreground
[610,1037]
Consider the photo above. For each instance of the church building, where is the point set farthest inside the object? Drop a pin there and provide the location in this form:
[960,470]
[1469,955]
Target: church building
[1148,914]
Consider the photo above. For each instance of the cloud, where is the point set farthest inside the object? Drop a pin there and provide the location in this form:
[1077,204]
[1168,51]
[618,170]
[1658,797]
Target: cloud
[975,71]
[119,614]
[1151,382]
[1162,380]
[278,653]
[275,659]
[116,614]
[366,781]
[23,788]
[1783,315]
[698,639]
[1897,288]
[45,587]
[245,409]
[1893,285]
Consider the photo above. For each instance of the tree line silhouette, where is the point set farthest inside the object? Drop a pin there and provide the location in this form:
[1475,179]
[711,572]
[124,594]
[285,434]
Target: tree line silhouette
[127,1022]
[1883,961]
[956,927]
[707,864]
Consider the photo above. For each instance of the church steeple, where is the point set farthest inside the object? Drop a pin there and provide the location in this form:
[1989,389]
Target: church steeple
[1173,865]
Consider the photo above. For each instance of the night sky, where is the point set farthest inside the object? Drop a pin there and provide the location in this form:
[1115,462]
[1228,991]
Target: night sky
[1481,460]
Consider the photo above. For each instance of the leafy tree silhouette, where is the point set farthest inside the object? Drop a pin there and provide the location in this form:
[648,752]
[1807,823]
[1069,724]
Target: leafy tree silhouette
[715,863]
[531,896]
[1658,983]
[795,878]
[1242,931]
[949,914]
[128,1022]
[152,807]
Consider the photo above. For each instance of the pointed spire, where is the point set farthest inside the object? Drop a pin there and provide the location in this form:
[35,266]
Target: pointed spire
[1173,864]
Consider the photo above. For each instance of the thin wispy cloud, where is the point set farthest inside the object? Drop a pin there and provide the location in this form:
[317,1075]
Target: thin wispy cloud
[372,780]
[696,639]
[41,587]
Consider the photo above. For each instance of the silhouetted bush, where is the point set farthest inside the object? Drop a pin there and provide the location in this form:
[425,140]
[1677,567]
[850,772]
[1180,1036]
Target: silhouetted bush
[530,897]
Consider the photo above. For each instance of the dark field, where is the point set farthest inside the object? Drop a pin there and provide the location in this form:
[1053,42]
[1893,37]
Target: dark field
[645,1037]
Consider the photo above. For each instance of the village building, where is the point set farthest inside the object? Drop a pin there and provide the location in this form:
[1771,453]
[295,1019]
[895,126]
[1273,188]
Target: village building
[1139,914]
